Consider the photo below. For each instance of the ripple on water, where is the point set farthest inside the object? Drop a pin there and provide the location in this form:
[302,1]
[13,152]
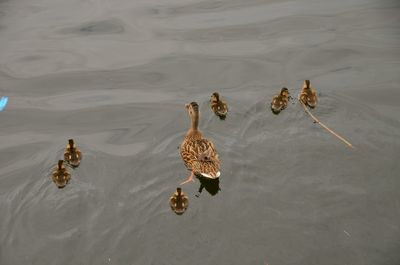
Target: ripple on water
[285,182]
[101,27]
[41,62]
[90,99]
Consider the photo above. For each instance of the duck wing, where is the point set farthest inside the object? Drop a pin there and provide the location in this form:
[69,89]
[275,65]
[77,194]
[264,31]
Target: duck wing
[201,157]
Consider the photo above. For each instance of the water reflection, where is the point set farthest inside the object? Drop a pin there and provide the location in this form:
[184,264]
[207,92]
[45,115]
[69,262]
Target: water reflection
[211,185]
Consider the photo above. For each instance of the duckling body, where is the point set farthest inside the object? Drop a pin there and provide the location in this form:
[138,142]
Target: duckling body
[280,102]
[198,153]
[72,154]
[61,176]
[219,107]
[179,202]
[308,95]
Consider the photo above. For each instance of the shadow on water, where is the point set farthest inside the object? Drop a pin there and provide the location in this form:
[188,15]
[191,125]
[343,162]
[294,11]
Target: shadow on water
[211,186]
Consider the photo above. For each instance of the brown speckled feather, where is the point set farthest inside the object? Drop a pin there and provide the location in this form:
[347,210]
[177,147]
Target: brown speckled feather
[192,147]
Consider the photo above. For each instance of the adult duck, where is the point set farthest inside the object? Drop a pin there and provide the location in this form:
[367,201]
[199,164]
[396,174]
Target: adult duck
[198,153]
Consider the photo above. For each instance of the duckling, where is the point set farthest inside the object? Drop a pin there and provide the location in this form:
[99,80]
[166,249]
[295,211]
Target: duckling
[198,153]
[308,95]
[219,107]
[179,202]
[72,155]
[61,176]
[280,102]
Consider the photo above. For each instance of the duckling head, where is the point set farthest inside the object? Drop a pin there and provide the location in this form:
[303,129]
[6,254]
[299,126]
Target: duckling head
[60,165]
[71,144]
[60,176]
[306,84]
[194,113]
[285,92]
[215,97]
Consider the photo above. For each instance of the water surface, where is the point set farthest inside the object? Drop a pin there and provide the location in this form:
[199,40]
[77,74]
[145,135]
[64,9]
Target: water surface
[115,75]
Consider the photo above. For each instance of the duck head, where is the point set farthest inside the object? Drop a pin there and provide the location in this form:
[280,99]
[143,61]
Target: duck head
[194,113]
[192,108]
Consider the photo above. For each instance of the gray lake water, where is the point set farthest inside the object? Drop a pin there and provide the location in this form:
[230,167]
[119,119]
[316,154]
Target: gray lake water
[115,75]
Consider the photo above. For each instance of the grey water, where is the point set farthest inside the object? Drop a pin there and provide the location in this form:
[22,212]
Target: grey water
[115,76]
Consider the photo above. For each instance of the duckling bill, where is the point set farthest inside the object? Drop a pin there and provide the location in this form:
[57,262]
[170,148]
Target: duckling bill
[308,95]
[219,107]
[72,155]
[61,176]
[280,102]
[179,202]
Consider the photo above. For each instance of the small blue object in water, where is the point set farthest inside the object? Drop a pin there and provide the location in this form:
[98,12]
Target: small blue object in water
[3,103]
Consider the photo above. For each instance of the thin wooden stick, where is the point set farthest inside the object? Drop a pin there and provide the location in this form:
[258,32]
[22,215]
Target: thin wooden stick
[324,126]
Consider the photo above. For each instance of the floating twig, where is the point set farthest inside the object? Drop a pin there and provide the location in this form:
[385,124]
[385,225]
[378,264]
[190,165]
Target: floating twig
[324,126]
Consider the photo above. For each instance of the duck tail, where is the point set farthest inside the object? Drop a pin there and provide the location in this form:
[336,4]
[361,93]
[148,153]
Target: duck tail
[206,175]
[222,117]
